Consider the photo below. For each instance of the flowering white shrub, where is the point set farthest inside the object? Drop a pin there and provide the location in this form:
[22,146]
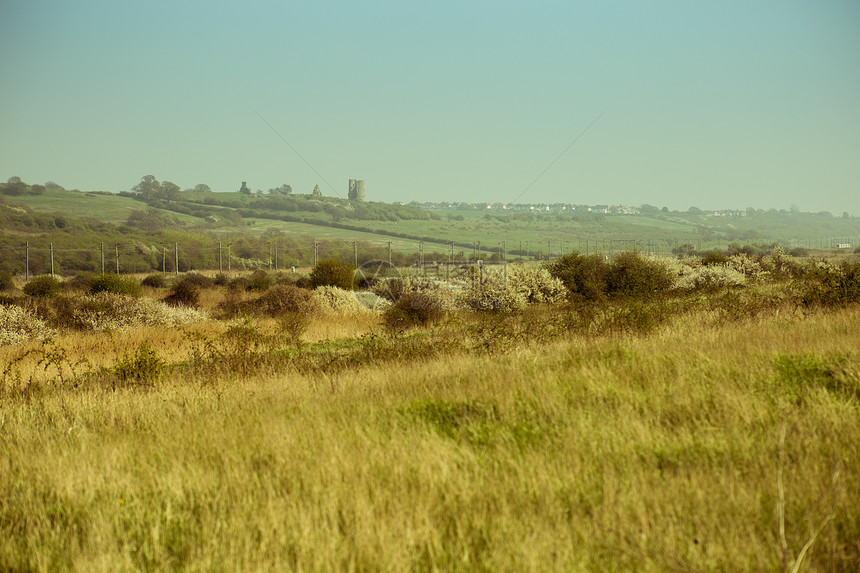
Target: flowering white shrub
[337,300]
[515,289]
[446,292]
[690,273]
[371,301]
[18,324]
[109,311]
[535,284]
[747,266]
[712,276]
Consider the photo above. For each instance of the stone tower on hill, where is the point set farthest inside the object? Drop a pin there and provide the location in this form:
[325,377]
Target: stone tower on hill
[356,190]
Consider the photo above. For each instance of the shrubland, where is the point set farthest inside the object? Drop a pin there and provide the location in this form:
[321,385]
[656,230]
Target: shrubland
[630,414]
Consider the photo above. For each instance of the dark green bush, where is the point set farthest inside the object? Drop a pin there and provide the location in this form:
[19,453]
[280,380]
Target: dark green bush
[6,281]
[80,282]
[584,276]
[221,279]
[259,280]
[331,272]
[239,283]
[414,309]
[282,299]
[799,252]
[824,286]
[43,286]
[184,293]
[115,284]
[633,276]
[198,280]
[714,258]
[154,281]
[145,368]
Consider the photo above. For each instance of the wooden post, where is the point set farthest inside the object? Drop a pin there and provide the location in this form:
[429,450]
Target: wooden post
[102,248]
[505,259]
[52,259]
[450,262]
[176,257]
[220,265]
[116,245]
[27,267]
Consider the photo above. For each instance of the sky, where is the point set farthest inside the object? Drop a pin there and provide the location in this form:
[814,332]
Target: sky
[718,105]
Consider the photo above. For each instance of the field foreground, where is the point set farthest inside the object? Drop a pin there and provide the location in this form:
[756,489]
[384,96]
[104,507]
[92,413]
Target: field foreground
[702,445]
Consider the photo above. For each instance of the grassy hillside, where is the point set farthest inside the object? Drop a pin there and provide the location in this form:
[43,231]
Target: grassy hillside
[107,208]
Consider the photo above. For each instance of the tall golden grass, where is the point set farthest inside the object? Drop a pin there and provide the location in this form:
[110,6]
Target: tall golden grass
[699,446]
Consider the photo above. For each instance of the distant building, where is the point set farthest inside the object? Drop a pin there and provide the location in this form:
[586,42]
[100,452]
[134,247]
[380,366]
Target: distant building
[356,190]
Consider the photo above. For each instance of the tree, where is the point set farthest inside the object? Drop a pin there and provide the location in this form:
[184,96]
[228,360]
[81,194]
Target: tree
[202,188]
[149,188]
[170,191]
[14,180]
[282,190]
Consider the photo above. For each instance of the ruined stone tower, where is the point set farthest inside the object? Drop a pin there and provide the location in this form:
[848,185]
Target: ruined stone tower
[356,190]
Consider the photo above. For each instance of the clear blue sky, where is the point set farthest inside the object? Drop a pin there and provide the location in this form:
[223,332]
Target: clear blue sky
[719,105]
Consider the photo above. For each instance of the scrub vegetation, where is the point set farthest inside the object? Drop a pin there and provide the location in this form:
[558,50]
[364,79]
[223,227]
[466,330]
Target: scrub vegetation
[629,414]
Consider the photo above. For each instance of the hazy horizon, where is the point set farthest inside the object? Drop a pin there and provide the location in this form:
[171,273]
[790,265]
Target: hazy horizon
[722,106]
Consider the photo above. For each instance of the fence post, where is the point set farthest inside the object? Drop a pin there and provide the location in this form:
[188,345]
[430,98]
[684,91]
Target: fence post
[505,258]
[220,266]
[276,256]
[52,259]
[355,252]
[229,257]
[27,268]
[117,258]
[316,244]
[176,257]
[102,249]
[163,259]
[389,254]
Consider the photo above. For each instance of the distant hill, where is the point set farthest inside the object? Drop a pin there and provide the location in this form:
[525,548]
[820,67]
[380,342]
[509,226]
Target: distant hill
[543,229]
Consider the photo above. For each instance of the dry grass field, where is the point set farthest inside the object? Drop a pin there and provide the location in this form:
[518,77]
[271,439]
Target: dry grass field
[706,439]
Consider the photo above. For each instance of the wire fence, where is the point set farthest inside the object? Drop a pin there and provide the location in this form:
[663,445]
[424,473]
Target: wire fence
[56,258]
